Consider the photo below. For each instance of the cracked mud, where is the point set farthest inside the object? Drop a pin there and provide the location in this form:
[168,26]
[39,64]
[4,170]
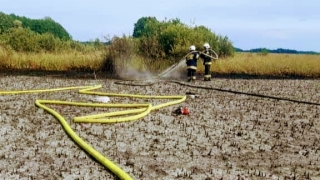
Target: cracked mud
[227,135]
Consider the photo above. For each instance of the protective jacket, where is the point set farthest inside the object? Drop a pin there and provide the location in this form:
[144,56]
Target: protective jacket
[206,56]
[192,60]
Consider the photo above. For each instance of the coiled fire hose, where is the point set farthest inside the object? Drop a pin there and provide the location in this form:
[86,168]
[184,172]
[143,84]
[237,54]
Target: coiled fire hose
[139,111]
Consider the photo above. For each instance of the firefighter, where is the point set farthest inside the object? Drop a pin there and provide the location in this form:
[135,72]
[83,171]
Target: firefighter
[191,61]
[206,55]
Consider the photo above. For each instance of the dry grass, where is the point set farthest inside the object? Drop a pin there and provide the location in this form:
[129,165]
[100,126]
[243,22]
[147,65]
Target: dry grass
[242,63]
[51,61]
[269,65]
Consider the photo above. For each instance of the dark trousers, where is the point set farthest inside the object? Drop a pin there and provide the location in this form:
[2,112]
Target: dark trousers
[191,74]
[207,73]
[207,70]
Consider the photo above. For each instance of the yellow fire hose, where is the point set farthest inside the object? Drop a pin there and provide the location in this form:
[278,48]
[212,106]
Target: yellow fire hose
[139,111]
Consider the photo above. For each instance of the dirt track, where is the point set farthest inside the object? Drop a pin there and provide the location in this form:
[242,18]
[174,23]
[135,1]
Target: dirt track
[229,134]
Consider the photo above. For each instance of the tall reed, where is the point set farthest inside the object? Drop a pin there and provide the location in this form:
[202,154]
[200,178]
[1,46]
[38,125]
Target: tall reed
[294,65]
[269,65]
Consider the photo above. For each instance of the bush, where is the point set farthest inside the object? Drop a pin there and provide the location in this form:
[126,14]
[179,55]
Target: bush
[25,40]
[47,42]
[118,53]
[171,39]
[21,40]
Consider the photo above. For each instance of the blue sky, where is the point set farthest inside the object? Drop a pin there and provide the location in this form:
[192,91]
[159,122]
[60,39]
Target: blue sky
[290,24]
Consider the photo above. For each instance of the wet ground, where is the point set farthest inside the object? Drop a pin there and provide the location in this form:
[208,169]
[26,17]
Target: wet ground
[237,128]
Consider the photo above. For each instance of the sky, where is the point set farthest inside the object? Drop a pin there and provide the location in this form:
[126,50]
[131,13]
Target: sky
[249,24]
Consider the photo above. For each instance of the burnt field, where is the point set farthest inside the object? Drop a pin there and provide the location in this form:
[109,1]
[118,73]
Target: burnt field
[237,129]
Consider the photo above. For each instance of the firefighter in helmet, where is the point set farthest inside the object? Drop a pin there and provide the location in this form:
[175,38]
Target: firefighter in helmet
[191,61]
[206,55]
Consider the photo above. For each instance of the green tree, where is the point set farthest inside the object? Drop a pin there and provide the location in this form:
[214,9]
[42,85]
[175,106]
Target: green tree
[172,38]
[264,52]
[21,39]
[41,26]
[6,22]
[17,24]
[145,26]
[47,42]
[225,47]
[48,25]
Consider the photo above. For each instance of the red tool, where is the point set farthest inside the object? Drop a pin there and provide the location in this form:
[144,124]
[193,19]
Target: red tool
[181,110]
[185,111]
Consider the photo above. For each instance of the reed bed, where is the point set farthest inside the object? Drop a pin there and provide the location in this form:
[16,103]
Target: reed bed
[296,65]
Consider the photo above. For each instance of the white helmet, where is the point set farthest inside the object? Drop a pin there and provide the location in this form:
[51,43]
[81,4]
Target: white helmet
[206,45]
[192,48]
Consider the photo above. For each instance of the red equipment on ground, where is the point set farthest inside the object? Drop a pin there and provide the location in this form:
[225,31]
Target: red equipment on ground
[181,111]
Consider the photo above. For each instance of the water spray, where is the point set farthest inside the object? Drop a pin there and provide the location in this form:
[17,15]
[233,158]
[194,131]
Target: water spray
[150,80]
[171,68]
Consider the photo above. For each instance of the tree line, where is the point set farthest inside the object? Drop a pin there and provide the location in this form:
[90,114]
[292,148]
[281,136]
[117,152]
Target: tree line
[151,38]
[40,26]
[168,39]
[173,37]
[22,34]
[279,51]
